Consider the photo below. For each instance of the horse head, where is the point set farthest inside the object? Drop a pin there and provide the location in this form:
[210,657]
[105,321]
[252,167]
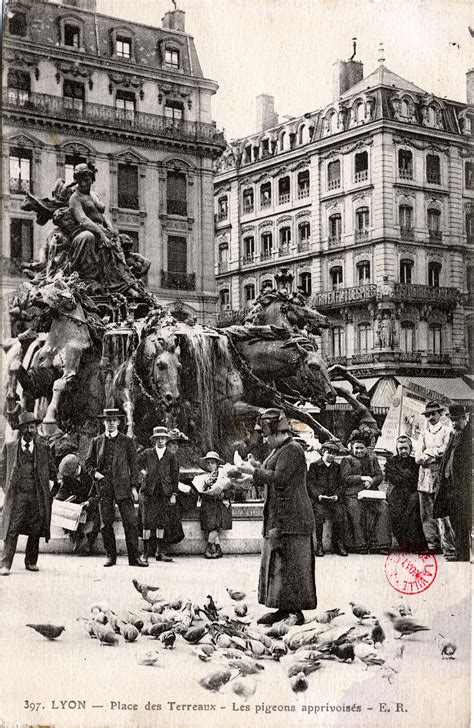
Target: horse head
[289,311]
[302,316]
[312,377]
[157,363]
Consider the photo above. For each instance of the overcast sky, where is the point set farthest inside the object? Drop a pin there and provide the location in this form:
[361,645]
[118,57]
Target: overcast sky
[287,47]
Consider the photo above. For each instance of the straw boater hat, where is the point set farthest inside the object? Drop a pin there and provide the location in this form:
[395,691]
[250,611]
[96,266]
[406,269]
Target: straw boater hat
[110,414]
[211,455]
[159,432]
[26,418]
[433,407]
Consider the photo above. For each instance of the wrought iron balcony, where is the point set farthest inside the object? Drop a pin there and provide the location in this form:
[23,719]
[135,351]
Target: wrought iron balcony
[407,233]
[180,281]
[425,294]
[363,359]
[345,295]
[361,176]
[303,245]
[438,359]
[57,107]
[433,178]
[334,240]
[266,254]
[265,203]
[361,235]
[332,360]
[410,357]
[248,207]
[223,266]
[20,186]
[220,216]
[303,192]
[226,318]
[283,251]
[405,173]
[248,259]
[446,296]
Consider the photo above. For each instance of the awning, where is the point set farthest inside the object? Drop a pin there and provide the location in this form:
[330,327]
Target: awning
[454,389]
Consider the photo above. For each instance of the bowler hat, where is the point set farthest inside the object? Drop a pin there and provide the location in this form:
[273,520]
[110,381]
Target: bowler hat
[330,446]
[110,414]
[26,418]
[159,432]
[211,455]
[275,415]
[431,407]
[457,410]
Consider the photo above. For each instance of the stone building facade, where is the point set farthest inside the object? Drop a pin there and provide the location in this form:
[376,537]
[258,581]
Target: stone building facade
[80,86]
[369,203]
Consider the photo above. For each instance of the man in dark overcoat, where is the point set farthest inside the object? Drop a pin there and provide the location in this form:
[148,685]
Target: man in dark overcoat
[287,580]
[327,496]
[453,499]
[29,478]
[112,461]
[160,468]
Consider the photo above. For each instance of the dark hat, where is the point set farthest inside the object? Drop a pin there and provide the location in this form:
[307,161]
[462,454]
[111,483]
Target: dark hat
[159,432]
[68,466]
[177,436]
[457,410]
[26,418]
[275,415]
[331,446]
[109,414]
[431,407]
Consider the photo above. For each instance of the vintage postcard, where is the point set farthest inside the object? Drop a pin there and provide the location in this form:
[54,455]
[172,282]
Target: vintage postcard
[237,327]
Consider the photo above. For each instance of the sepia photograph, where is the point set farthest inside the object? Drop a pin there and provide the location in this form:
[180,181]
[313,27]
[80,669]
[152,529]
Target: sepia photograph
[237,326]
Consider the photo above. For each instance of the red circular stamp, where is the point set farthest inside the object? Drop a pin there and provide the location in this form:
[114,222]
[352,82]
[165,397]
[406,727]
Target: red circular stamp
[410,573]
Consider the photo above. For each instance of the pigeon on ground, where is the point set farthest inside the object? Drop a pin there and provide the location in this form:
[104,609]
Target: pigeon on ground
[241,610]
[378,635]
[405,625]
[105,634]
[344,652]
[236,596]
[304,666]
[50,631]
[327,616]
[299,683]
[215,680]
[403,609]
[244,687]
[168,639]
[194,634]
[447,647]
[204,652]
[245,665]
[360,611]
[392,667]
[366,654]
[210,609]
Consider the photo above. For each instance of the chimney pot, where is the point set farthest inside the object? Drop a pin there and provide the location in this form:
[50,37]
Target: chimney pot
[266,116]
[174,20]
[470,87]
[345,75]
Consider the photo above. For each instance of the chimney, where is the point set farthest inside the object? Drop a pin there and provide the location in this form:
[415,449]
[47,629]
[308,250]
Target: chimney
[173,20]
[470,87]
[345,75]
[266,116]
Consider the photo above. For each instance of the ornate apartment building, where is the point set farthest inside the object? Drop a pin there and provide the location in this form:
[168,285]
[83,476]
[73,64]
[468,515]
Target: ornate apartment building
[80,86]
[369,204]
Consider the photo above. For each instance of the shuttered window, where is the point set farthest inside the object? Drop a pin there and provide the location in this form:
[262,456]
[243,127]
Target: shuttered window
[177,254]
[176,193]
[21,240]
[128,186]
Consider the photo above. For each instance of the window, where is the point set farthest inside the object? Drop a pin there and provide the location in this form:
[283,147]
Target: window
[361,167]
[17,25]
[433,169]
[363,272]
[332,123]
[222,208]
[283,190]
[405,214]
[248,200]
[127,185]
[404,109]
[171,58]
[69,163]
[224,299]
[365,338]
[407,337]
[223,262]
[334,174]
[74,95]
[176,195]
[282,141]
[303,184]
[434,224]
[72,35]
[469,175]
[249,293]
[19,86]
[125,105]
[21,240]
[335,227]
[248,154]
[177,254]
[469,227]
[405,164]
[337,342]
[304,232]
[336,277]
[434,273]
[174,110]
[266,194]
[123,47]
[285,237]
[359,114]
[430,116]
[470,285]
[20,170]
[434,339]
[267,245]
[249,248]
[305,283]
[406,268]
[362,223]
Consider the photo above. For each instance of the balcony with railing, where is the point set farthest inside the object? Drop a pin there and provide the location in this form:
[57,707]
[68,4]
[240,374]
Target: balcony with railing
[303,246]
[433,178]
[223,266]
[333,360]
[221,216]
[284,198]
[178,281]
[426,294]
[266,254]
[362,176]
[283,251]
[248,207]
[355,294]
[248,259]
[303,192]
[334,240]
[407,233]
[405,173]
[19,186]
[438,359]
[361,235]
[363,359]
[334,184]
[57,107]
[445,296]
[265,203]
[436,236]
[410,357]
[237,316]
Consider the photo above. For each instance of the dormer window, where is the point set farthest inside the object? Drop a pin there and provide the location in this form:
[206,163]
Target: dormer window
[17,25]
[171,58]
[123,47]
[72,35]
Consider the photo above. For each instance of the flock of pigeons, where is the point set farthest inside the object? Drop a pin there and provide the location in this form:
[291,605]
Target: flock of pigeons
[236,651]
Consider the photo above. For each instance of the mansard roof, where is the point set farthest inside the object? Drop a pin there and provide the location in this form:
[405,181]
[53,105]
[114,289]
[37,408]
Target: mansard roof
[382,76]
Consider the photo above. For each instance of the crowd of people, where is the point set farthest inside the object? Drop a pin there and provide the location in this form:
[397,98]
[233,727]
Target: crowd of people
[420,502]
